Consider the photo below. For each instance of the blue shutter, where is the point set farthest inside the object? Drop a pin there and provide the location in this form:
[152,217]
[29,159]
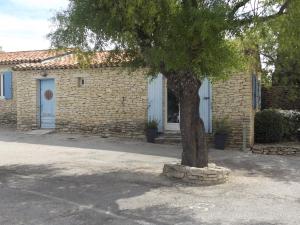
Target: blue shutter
[7,76]
[155,100]
[254,91]
[258,94]
[205,94]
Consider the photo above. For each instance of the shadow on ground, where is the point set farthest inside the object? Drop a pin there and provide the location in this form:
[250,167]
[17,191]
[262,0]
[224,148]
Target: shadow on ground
[279,168]
[32,194]
[91,142]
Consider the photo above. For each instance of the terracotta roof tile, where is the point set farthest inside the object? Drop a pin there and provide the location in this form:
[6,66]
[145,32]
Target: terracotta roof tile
[13,58]
[70,61]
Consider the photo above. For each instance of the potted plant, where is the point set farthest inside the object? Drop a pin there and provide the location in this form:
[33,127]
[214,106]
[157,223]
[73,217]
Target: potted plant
[151,130]
[222,129]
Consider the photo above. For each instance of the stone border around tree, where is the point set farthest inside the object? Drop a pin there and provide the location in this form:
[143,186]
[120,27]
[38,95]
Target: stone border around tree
[210,175]
[276,149]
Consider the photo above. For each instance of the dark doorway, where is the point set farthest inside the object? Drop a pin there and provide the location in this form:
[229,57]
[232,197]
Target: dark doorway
[173,107]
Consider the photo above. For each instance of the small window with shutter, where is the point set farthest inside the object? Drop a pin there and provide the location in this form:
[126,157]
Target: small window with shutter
[1,86]
[6,85]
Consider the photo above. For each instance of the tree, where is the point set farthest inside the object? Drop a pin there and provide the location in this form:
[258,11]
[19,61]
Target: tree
[287,59]
[280,48]
[186,40]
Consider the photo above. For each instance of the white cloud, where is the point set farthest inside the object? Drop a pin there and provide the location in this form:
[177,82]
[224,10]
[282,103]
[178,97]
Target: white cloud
[13,44]
[10,23]
[23,34]
[42,4]
[19,31]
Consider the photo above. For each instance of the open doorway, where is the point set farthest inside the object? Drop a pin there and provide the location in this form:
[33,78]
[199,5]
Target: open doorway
[172,111]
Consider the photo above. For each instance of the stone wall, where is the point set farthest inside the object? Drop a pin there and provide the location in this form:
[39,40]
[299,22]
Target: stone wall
[232,98]
[8,108]
[114,101]
[281,97]
[209,175]
[276,149]
[111,102]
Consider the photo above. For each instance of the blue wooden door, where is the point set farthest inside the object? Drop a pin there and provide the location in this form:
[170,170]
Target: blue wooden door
[155,100]
[205,93]
[47,107]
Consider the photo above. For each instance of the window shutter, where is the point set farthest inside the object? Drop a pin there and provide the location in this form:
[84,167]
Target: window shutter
[7,77]
[259,94]
[205,110]
[155,100]
[254,91]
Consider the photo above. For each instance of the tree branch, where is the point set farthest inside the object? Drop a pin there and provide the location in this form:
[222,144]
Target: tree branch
[251,19]
[237,6]
[268,56]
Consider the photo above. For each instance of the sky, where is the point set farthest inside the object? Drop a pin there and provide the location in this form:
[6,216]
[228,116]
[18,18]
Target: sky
[24,24]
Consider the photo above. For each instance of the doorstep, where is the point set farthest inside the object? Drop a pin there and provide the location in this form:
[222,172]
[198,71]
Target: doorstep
[40,132]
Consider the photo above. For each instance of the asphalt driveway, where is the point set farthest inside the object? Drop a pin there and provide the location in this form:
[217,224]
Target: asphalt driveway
[61,179]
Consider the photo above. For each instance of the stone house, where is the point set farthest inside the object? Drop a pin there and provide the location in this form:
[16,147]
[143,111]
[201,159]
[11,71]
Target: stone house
[49,90]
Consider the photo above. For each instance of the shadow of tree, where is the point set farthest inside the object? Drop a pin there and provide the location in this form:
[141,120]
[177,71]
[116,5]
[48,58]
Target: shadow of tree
[250,222]
[91,142]
[83,199]
[285,169]
[18,171]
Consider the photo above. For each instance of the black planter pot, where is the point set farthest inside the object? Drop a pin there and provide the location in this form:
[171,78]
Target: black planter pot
[151,134]
[220,141]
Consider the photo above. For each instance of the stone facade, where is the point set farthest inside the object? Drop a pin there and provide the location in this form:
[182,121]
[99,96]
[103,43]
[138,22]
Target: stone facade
[232,98]
[8,108]
[112,101]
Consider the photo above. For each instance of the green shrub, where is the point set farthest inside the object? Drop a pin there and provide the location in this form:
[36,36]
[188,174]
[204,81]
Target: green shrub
[222,126]
[291,123]
[269,126]
[152,124]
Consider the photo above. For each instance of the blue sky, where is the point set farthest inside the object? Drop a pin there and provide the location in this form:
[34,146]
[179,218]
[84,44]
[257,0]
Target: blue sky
[24,24]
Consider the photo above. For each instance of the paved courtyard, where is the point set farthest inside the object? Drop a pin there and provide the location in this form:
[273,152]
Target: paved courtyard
[61,179]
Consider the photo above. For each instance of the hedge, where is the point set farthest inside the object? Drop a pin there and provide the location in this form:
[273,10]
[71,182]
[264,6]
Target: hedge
[276,125]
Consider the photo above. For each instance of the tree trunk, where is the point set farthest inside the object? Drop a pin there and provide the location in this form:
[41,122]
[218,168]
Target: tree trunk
[194,145]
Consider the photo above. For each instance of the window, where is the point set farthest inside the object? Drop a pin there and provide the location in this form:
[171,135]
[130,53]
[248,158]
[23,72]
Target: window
[1,85]
[6,85]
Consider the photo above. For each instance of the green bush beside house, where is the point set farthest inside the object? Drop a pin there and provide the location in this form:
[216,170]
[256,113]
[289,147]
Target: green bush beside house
[273,125]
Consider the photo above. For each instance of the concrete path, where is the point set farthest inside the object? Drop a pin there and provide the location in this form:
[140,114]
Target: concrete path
[60,179]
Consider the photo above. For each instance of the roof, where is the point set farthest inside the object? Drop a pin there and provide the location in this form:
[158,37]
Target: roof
[69,61]
[14,58]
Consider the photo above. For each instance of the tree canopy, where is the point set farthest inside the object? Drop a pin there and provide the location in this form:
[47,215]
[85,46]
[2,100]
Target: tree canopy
[279,46]
[198,32]
[286,53]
